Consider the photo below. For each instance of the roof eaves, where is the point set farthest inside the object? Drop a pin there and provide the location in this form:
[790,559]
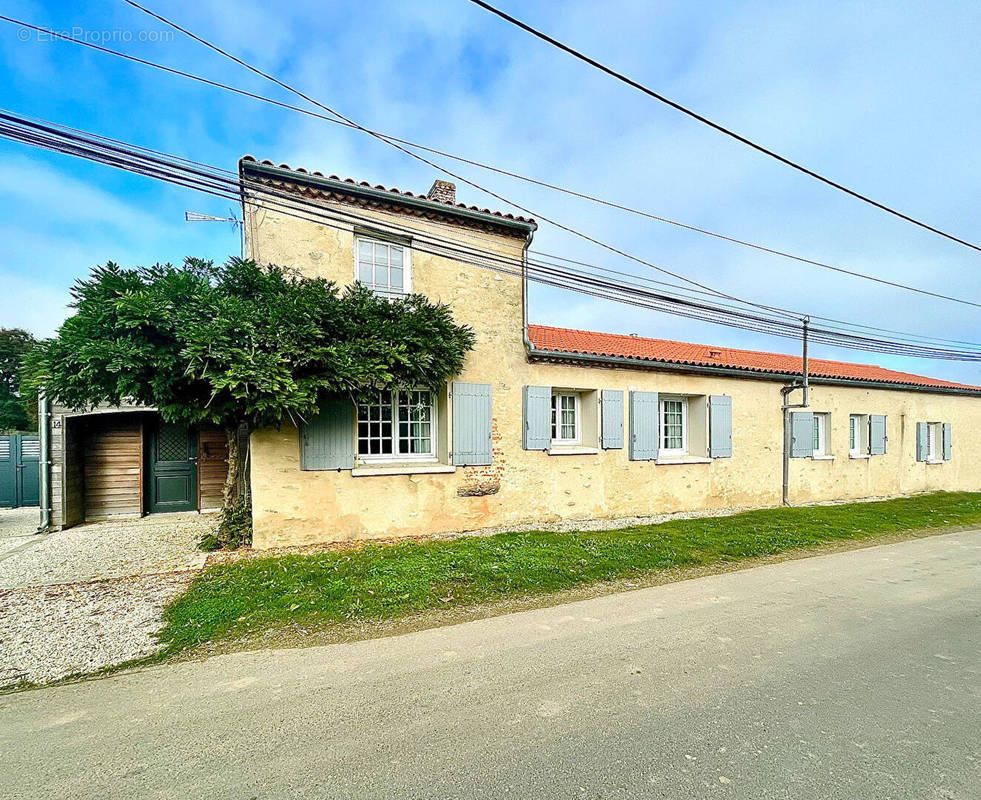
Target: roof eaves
[742,372]
[350,187]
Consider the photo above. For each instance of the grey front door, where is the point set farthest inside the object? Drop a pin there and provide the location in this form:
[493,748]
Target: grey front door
[173,468]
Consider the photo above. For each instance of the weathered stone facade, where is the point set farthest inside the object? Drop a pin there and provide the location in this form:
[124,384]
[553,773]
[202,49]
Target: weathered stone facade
[292,506]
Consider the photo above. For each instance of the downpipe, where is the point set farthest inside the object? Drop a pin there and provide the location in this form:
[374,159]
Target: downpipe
[786,407]
[524,293]
[787,435]
[44,432]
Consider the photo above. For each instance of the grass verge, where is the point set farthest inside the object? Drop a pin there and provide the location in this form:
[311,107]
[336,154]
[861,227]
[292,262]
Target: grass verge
[385,582]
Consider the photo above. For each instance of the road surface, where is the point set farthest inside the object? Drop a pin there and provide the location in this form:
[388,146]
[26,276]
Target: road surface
[852,675]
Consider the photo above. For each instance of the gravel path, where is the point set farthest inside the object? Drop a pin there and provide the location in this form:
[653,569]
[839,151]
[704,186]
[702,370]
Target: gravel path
[161,543]
[17,527]
[47,632]
[91,596]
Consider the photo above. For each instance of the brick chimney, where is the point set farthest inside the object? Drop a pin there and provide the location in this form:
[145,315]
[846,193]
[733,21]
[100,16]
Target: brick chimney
[442,192]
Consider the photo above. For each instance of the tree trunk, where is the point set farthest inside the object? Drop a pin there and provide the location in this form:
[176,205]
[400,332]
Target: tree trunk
[233,479]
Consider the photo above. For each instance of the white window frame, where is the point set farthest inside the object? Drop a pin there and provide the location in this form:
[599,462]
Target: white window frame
[406,264]
[663,449]
[395,457]
[555,421]
[861,432]
[821,420]
[935,441]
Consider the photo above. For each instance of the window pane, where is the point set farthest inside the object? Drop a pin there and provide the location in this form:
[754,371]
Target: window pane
[364,250]
[673,424]
[396,278]
[365,273]
[381,254]
[415,414]
[395,253]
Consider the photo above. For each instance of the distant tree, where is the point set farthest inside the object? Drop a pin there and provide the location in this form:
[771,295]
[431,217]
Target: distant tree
[240,343]
[18,409]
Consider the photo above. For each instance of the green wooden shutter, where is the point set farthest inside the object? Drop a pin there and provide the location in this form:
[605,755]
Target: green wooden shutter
[877,434]
[720,426]
[644,426]
[612,402]
[327,440]
[946,441]
[922,447]
[471,424]
[802,434]
[537,412]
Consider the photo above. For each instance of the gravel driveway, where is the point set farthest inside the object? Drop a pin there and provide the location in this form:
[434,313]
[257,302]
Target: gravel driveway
[17,527]
[91,596]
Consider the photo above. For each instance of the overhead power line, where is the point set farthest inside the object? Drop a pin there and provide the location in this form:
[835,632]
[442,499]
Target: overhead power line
[491,168]
[433,164]
[721,128]
[220,183]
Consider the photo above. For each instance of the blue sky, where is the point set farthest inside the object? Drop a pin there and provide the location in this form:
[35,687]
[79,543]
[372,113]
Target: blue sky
[880,95]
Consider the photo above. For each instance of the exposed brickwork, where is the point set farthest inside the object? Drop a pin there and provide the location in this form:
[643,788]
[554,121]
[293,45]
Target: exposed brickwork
[482,481]
[442,191]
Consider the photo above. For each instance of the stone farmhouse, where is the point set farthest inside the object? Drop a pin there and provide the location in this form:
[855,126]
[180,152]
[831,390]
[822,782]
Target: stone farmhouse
[543,423]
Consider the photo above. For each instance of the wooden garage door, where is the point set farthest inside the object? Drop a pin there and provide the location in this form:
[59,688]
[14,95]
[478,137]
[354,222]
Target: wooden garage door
[113,467]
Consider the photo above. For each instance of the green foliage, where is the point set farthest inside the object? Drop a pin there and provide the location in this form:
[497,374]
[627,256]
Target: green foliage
[379,581]
[239,342]
[234,528]
[17,407]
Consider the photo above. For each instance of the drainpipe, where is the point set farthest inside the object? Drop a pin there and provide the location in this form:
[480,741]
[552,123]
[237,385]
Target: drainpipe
[785,407]
[524,292]
[44,421]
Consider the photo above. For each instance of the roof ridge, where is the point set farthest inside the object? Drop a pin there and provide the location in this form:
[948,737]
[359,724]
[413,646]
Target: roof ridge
[393,190]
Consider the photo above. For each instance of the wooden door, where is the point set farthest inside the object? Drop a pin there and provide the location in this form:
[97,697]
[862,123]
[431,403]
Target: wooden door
[173,468]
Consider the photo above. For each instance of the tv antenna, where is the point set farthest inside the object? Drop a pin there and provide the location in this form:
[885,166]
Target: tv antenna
[197,216]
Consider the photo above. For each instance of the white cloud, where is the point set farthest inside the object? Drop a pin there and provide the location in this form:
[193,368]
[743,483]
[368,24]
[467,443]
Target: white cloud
[883,98]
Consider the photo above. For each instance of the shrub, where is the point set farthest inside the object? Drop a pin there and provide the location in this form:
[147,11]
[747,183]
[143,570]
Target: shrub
[234,528]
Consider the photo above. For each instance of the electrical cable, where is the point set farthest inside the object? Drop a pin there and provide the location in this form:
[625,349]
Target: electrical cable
[706,121]
[489,167]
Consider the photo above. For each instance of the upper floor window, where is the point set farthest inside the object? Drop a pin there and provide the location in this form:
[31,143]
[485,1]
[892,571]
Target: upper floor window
[398,426]
[674,426]
[383,267]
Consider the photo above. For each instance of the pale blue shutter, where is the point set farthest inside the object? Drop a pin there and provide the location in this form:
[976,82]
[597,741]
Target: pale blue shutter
[922,446]
[877,434]
[720,426]
[802,434]
[537,416]
[946,441]
[471,424]
[327,440]
[612,401]
[643,426]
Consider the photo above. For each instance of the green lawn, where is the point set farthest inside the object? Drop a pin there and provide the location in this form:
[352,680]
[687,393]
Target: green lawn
[387,581]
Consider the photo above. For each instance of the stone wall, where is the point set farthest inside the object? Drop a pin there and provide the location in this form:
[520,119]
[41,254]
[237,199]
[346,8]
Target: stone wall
[292,506]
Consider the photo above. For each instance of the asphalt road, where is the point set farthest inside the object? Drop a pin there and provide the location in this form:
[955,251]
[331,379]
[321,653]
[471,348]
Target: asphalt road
[853,675]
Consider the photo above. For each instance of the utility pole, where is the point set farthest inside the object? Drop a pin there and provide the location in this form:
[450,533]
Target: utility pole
[785,395]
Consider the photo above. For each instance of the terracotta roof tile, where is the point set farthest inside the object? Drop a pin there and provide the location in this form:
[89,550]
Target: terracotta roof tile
[566,340]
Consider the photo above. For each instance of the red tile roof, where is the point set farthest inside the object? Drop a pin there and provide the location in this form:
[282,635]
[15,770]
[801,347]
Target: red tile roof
[573,342]
[393,190]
